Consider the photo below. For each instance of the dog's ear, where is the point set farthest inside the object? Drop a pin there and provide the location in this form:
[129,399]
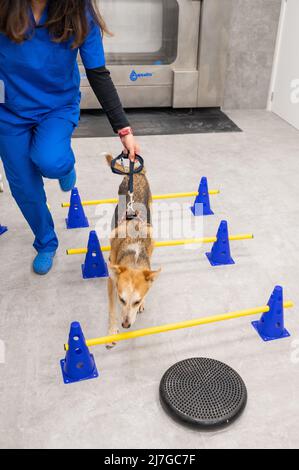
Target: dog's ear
[117,269]
[108,157]
[151,276]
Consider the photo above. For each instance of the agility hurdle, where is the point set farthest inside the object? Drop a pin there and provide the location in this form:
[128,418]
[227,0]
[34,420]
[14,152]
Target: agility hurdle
[269,327]
[77,218]
[97,202]
[161,244]
[220,254]
[180,325]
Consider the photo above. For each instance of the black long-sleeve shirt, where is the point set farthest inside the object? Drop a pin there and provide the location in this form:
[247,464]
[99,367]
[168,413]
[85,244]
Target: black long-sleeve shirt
[106,93]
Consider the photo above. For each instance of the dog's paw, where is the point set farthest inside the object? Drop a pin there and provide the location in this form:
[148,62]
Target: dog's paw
[141,308]
[110,333]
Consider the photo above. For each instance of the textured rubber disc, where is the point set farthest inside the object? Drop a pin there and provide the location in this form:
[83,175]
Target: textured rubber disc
[203,392]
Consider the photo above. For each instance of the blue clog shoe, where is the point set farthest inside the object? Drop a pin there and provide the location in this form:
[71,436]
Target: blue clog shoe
[43,262]
[67,183]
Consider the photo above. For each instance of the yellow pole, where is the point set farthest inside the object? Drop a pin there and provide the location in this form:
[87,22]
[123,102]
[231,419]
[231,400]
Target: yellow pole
[188,241]
[177,326]
[97,202]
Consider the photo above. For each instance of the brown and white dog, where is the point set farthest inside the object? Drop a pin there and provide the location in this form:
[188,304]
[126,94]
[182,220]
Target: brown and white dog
[132,245]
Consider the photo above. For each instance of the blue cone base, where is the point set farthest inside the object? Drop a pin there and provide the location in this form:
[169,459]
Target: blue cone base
[82,224]
[3,229]
[92,275]
[284,334]
[69,380]
[212,263]
[197,213]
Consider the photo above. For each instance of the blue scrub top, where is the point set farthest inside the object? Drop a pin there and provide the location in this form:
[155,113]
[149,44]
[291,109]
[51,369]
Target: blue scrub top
[42,77]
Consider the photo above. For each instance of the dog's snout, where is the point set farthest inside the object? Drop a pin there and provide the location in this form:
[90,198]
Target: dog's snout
[126,324]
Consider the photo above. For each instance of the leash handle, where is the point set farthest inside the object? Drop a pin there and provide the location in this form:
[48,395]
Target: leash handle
[132,169]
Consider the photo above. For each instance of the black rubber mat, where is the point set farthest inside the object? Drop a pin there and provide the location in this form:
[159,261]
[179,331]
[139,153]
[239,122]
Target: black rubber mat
[203,392]
[158,121]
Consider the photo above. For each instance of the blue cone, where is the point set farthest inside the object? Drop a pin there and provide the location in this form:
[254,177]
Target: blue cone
[76,216]
[220,253]
[3,229]
[271,324]
[94,265]
[201,204]
[78,364]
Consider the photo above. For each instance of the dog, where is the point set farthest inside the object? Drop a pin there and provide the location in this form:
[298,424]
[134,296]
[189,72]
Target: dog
[130,273]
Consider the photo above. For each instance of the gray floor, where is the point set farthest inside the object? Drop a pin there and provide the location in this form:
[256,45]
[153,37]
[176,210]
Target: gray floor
[257,172]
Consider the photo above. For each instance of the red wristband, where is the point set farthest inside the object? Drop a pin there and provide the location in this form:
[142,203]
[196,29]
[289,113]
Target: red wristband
[125,131]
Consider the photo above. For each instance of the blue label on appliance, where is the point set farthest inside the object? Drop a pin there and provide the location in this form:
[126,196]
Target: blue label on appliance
[134,75]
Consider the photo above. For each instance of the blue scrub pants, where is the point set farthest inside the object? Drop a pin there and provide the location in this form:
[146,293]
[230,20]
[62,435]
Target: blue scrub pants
[43,150]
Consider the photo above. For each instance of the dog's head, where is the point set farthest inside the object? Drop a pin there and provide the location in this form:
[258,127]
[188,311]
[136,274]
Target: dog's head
[132,285]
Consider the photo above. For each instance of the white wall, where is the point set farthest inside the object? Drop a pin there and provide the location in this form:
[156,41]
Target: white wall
[284,90]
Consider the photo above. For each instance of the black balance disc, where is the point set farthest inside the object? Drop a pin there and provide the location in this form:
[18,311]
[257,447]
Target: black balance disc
[203,392]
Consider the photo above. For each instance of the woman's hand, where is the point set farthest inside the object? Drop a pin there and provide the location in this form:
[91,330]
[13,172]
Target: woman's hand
[131,146]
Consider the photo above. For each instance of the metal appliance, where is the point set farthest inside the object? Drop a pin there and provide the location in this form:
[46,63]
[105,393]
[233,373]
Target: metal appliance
[165,53]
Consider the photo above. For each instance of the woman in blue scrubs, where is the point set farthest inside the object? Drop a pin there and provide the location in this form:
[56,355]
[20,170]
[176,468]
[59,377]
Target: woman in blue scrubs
[39,45]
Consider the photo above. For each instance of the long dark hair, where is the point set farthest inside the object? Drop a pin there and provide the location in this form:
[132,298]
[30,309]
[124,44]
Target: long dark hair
[66,19]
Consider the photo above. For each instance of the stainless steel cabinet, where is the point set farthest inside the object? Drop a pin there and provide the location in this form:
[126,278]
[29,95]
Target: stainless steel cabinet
[165,52]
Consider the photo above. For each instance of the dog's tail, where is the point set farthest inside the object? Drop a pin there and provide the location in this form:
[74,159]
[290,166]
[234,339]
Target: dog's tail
[109,159]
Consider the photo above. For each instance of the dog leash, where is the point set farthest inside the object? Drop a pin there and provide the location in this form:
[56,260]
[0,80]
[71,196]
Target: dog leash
[130,212]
